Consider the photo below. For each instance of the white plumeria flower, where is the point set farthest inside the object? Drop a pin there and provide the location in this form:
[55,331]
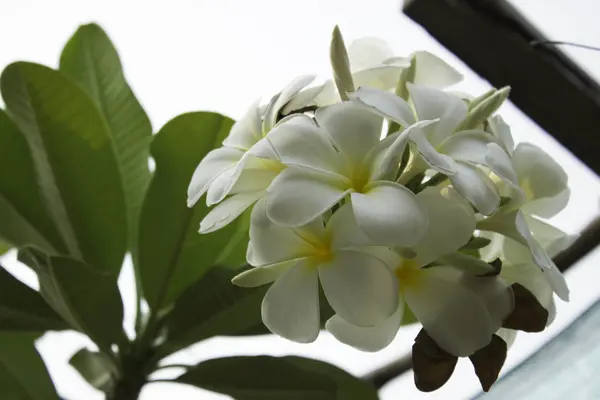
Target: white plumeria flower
[459,311]
[518,265]
[339,156]
[455,154]
[357,284]
[243,168]
[373,63]
[544,186]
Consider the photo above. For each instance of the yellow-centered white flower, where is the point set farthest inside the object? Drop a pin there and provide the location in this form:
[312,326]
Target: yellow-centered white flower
[244,167]
[341,156]
[357,284]
[442,148]
[543,192]
[459,310]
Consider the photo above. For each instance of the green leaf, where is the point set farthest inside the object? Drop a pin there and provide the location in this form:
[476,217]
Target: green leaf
[88,300]
[23,309]
[265,377]
[4,247]
[213,306]
[90,60]
[75,162]
[97,369]
[24,219]
[23,375]
[173,255]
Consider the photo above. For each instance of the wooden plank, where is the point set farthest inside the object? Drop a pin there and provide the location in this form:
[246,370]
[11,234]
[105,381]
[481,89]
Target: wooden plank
[492,38]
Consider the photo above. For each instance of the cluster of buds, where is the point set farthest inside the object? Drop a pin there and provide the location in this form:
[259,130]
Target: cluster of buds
[397,197]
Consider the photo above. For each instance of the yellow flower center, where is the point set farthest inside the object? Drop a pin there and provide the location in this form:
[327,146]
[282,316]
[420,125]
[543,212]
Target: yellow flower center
[321,248]
[271,165]
[360,179]
[409,274]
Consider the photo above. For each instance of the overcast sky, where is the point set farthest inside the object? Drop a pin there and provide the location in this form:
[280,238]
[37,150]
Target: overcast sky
[188,55]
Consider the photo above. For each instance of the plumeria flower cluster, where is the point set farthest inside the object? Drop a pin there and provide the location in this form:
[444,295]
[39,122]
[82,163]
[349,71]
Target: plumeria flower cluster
[389,197]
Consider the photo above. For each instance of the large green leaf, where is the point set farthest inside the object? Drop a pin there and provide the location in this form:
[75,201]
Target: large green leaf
[73,155]
[91,60]
[290,378]
[88,300]
[4,247]
[23,375]
[172,253]
[23,309]
[23,216]
[97,369]
[213,306]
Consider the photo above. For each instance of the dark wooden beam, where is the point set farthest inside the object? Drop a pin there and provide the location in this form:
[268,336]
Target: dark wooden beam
[498,43]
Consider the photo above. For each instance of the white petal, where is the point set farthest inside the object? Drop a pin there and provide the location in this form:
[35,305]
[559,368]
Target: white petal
[272,243]
[373,338]
[539,175]
[532,278]
[305,98]
[508,335]
[299,142]
[291,306]
[548,207]
[382,77]
[353,129]
[328,95]
[247,131]
[253,180]
[467,146]
[386,156]
[451,224]
[501,130]
[359,287]
[439,162]
[261,275]
[282,98]
[543,232]
[459,312]
[211,167]
[499,162]
[431,104]
[435,72]
[387,104]
[476,187]
[542,260]
[227,211]
[221,186]
[344,231]
[390,214]
[298,196]
[368,52]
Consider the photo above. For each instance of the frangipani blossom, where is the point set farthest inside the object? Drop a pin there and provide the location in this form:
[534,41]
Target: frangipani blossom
[544,186]
[243,168]
[442,148]
[459,310]
[357,284]
[341,156]
[373,64]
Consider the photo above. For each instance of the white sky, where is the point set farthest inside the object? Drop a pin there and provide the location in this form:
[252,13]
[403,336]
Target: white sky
[187,55]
